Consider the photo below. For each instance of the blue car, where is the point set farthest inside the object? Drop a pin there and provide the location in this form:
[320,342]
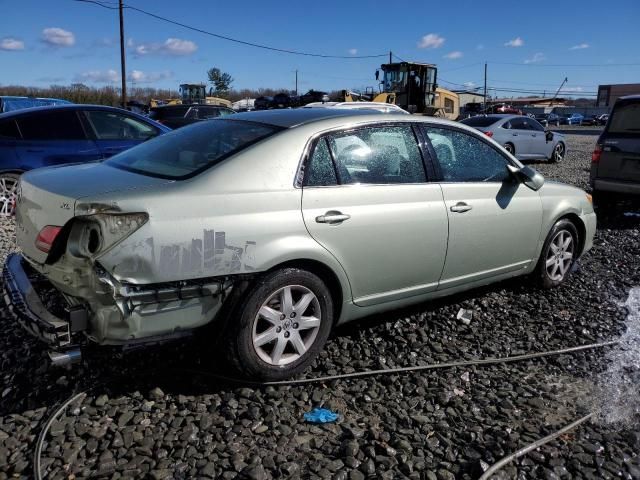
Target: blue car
[9,103]
[571,119]
[46,136]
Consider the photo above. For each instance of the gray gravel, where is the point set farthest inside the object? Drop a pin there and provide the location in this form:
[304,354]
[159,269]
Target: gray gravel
[145,418]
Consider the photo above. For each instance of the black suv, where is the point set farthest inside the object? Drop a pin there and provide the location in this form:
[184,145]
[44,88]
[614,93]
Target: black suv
[548,119]
[176,116]
[314,96]
[615,162]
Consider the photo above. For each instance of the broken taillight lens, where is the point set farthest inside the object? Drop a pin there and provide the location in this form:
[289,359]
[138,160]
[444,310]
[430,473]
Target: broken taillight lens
[46,237]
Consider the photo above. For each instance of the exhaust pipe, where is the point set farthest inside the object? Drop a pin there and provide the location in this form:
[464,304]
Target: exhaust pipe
[68,357]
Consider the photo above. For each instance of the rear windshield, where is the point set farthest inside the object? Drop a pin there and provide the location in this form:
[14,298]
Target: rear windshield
[160,113]
[480,121]
[188,151]
[625,118]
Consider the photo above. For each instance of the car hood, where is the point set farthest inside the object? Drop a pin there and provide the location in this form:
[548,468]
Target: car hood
[49,196]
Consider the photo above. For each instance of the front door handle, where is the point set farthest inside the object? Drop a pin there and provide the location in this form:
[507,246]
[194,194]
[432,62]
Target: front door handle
[514,134]
[460,207]
[332,217]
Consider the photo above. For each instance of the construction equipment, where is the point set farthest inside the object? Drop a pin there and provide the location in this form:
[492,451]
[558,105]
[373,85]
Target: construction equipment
[412,86]
[197,93]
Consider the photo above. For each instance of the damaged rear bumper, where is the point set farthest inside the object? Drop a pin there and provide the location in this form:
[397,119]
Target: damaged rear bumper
[23,301]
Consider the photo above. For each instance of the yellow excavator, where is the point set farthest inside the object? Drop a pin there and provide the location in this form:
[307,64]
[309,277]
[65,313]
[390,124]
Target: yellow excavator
[192,93]
[412,86]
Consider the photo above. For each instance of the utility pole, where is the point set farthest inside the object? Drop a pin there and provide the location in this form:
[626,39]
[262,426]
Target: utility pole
[296,82]
[122,61]
[484,107]
[390,55]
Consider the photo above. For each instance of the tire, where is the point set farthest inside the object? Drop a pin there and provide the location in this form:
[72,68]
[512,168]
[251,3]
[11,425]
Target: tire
[554,267]
[8,185]
[275,346]
[559,151]
[509,147]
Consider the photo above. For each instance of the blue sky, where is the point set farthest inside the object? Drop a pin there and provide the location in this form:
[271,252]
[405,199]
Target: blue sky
[64,41]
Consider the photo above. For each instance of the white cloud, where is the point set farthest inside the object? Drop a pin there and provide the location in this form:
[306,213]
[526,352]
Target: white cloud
[469,84]
[432,40]
[516,42]
[572,89]
[57,37]
[11,44]
[98,76]
[139,76]
[171,46]
[537,57]
[580,46]
[454,55]
[353,51]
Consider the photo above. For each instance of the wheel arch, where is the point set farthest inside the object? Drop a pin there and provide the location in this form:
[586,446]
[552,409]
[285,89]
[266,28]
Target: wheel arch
[580,227]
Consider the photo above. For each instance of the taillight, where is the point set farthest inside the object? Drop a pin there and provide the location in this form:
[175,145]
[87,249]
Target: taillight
[489,133]
[595,156]
[46,237]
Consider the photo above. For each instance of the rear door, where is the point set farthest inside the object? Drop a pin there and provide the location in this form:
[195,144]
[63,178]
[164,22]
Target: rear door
[9,136]
[115,132]
[620,158]
[367,201]
[53,137]
[520,137]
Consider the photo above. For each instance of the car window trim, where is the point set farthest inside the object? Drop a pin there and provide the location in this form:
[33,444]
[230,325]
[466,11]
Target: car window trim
[310,147]
[472,134]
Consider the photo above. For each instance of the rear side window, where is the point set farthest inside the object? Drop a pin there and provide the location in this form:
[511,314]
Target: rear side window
[56,125]
[625,118]
[383,155]
[465,158]
[114,126]
[480,121]
[321,172]
[208,112]
[186,152]
[8,129]
[173,112]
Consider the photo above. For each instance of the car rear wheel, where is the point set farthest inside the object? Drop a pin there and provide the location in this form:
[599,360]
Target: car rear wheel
[8,190]
[510,148]
[558,153]
[559,253]
[281,326]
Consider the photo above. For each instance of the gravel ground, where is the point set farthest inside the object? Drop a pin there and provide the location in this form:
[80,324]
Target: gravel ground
[146,417]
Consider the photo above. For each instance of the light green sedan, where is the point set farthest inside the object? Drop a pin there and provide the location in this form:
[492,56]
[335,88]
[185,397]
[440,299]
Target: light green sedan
[265,230]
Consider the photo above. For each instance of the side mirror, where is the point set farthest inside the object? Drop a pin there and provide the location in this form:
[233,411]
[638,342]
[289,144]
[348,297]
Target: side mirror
[548,135]
[527,175]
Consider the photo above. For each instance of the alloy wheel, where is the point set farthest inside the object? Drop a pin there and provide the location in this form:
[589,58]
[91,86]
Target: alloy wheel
[8,186]
[559,255]
[558,152]
[286,325]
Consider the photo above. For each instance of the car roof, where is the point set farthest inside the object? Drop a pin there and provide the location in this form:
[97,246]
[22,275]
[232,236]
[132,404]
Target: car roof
[288,118]
[72,106]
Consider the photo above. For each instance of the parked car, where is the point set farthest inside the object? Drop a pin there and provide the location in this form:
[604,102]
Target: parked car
[571,119]
[547,119]
[602,119]
[45,136]
[176,116]
[224,221]
[314,96]
[504,108]
[377,106]
[521,136]
[284,100]
[10,103]
[591,120]
[615,162]
[263,103]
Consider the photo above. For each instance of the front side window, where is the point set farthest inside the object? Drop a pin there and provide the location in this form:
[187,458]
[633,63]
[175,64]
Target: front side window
[380,155]
[186,152]
[114,126]
[466,158]
[55,125]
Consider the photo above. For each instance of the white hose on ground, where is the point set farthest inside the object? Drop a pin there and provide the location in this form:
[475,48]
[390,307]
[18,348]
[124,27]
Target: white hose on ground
[37,470]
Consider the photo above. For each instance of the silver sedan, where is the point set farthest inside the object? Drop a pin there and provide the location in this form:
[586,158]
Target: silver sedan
[262,231]
[521,136]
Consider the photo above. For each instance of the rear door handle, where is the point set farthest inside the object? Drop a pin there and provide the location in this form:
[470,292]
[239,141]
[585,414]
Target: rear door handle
[514,134]
[460,207]
[332,217]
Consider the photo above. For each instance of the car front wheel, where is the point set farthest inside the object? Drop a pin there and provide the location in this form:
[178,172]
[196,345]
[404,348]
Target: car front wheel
[558,153]
[282,325]
[558,255]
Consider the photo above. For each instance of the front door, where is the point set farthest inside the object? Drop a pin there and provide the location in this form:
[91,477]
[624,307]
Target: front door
[366,200]
[494,220]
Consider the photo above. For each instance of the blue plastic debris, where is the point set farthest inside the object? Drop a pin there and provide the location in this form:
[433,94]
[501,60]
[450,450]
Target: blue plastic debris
[320,415]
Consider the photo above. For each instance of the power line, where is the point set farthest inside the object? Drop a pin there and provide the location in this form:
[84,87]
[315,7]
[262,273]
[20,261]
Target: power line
[567,65]
[230,39]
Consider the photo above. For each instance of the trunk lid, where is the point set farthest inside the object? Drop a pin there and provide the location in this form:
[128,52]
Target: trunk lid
[48,197]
